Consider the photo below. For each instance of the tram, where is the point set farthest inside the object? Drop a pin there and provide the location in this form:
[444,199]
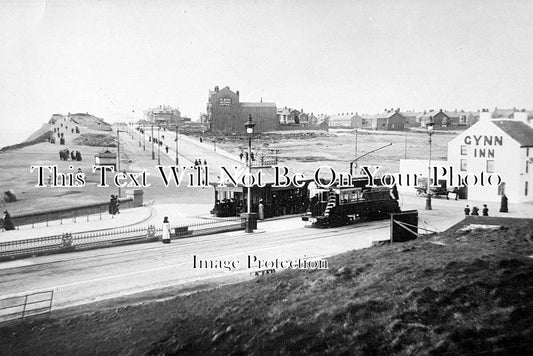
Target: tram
[339,206]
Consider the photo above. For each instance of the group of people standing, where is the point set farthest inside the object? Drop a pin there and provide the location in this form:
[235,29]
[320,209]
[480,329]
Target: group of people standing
[475,210]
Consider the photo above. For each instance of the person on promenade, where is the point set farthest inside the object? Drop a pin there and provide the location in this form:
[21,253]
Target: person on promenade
[8,223]
[503,204]
[261,210]
[475,211]
[166,231]
[485,210]
[467,210]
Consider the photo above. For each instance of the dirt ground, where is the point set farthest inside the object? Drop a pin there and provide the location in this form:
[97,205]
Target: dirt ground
[455,293]
[305,151]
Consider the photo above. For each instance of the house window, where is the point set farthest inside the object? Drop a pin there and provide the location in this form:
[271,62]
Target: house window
[490,166]
[527,152]
[525,192]
[464,150]
[463,165]
[527,166]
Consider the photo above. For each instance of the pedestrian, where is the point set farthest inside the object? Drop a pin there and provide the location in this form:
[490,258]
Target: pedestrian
[111,208]
[205,162]
[485,210]
[166,149]
[261,210]
[503,205]
[467,210]
[195,162]
[8,223]
[475,211]
[166,231]
[241,156]
[395,192]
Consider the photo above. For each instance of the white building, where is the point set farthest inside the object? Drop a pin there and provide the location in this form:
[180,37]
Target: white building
[500,146]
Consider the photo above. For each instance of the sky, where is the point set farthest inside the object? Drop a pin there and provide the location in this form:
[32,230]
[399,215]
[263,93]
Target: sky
[115,59]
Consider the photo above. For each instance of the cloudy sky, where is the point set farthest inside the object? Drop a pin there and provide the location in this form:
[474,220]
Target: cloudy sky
[116,58]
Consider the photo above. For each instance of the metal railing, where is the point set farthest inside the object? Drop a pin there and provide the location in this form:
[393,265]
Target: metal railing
[26,306]
[67,242]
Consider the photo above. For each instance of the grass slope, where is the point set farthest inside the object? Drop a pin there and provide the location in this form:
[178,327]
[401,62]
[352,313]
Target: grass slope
[456,293]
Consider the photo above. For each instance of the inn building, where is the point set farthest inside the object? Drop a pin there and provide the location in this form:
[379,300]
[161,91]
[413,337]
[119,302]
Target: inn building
[501,146]
[496,146]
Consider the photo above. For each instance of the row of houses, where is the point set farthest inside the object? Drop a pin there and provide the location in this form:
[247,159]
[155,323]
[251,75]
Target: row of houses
[394,119]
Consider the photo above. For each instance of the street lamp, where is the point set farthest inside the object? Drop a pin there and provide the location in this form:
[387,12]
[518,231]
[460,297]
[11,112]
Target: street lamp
[249,130]
[158,146]
[177,131]
[429,126]
[152,139]
[118,155]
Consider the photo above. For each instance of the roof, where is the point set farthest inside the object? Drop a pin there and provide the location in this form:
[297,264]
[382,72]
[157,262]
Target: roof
[503,113]
[258,105]
[518,130]
[384,115]
[106,154]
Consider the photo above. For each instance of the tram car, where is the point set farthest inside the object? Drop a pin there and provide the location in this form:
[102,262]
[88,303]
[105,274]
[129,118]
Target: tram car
[342,206]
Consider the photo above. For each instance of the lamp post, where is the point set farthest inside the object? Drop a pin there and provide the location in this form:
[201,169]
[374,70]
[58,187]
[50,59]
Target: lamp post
[144,136]
[152,139]
[118,155]
[158,146]
[429,126]
[177,147]
[249,223]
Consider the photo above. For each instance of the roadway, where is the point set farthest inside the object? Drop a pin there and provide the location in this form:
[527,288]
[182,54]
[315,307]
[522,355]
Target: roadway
[90,276]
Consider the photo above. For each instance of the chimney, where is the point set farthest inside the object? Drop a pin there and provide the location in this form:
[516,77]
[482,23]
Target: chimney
[216,89]
[237,93]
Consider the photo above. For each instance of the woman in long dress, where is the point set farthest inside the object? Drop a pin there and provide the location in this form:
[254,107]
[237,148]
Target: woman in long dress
[166,230]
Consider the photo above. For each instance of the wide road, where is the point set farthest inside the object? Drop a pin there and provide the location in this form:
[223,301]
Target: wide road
[85,277]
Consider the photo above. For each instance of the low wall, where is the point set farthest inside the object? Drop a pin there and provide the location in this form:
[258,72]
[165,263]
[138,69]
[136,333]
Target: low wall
[71,212]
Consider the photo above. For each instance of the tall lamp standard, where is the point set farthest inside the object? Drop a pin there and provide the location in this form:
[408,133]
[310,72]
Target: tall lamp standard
[158,146]
[118,155]
[249,130]
[152,139]
[177,131]
[429,126]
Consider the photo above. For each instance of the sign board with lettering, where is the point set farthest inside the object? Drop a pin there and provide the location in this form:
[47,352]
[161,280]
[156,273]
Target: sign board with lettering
[224,102]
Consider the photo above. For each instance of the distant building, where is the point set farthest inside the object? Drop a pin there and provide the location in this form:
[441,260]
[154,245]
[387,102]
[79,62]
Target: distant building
[389,120]
[346,120]
[226,113]
[106,158]
[164,115]
[412,118]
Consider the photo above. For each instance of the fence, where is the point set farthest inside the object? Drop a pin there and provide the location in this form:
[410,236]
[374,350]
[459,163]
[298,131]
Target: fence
[68,242]
[76,212]
[22,307]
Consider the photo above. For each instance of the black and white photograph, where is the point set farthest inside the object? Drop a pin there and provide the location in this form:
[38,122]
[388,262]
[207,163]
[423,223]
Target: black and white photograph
[232,177]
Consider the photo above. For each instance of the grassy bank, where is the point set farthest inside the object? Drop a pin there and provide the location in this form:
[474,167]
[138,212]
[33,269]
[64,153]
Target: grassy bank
[456,293]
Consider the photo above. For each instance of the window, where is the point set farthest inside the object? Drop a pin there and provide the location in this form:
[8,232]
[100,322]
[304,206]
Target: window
[527,152]
[527,166]
[525,193]
[464,150]
[490,166]
[463,165]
